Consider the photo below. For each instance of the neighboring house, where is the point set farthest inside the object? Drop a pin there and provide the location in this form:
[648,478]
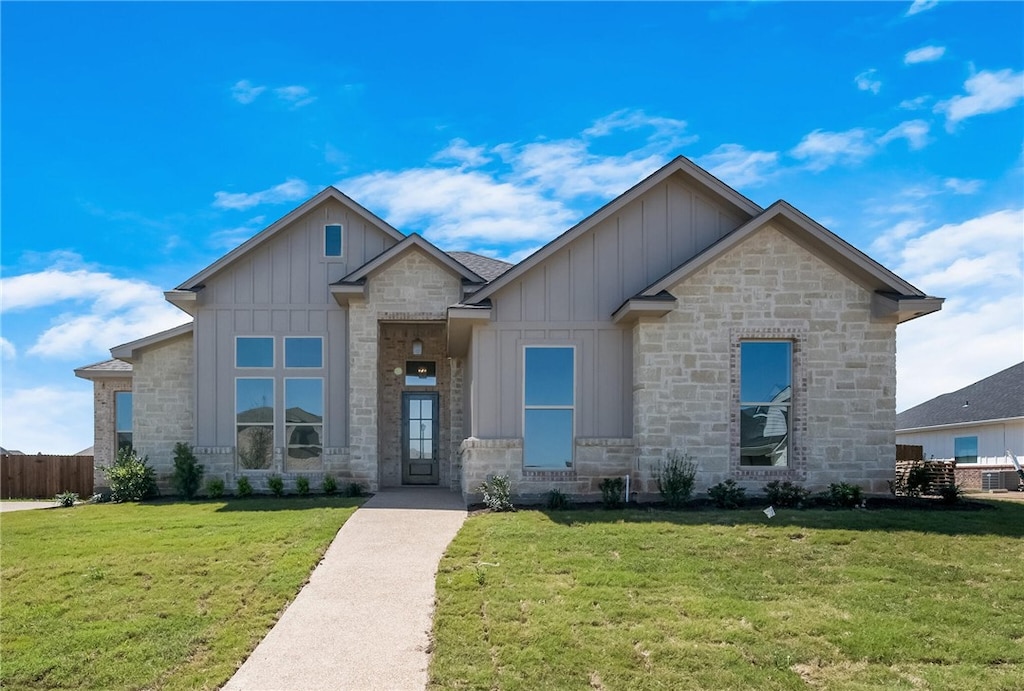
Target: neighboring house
[975,425]
[679,316]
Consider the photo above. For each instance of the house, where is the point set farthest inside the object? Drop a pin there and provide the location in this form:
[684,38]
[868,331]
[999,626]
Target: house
[679,316]
[975,426]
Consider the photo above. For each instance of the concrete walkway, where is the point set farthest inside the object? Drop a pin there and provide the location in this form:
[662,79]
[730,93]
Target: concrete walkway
[363,620]
[6,506]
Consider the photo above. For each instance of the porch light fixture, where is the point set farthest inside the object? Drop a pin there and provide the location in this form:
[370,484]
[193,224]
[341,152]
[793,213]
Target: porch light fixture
[417,347]
[422,370]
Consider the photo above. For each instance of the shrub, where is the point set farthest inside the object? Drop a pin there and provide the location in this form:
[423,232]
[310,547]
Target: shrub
[244,487]
[330,485]
[611,492]
[498,493]
[188,473]
[66,499]
[676,479]
[354,489]
[215,488]
[728,495]
[951,493]
[276,485]
[302,484]
[843,495]
[556,500]
[786,493]
[913,484]
[130,477]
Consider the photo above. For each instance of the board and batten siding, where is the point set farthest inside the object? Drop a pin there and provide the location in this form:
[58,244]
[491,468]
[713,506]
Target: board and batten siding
[569,298]
[994,439]
[280,288]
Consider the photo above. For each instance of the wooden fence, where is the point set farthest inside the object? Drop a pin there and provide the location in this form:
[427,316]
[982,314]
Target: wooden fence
[909,452]
[43,477]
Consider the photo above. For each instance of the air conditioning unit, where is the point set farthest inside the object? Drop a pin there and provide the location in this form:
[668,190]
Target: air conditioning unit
[998,480]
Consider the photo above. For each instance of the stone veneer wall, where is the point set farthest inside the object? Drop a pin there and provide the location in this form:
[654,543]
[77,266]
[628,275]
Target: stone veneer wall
[412,288]
[104,435]
[162,404]
[686,367]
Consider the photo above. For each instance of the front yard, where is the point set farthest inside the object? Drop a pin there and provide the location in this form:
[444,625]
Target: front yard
[161,595]
[848,599]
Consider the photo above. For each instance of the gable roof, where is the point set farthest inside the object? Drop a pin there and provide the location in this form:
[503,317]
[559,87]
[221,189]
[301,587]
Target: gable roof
[108,369]
[275,227]
[408,242]
[126,351]
[678,166]
[486,267]
[997,397]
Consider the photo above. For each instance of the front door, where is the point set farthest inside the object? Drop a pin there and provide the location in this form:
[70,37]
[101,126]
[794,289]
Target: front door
[419,438]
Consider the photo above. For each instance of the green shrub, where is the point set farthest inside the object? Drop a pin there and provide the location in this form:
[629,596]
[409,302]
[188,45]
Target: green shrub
[728,495]
[330,485]
[951,493]
[244,487]
[276,485]
[302,484]
[215,488]
[354,489]
[611,492]
[786,494]
[130,477]
[676,478]
[188,473]
[497,493]
[843,495]
[66,499]
[556,500]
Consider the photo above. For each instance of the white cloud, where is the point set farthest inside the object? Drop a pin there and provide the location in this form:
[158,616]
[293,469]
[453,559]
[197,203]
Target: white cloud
[959,186]
[866,81]
[924,54]
[914,131]
[920,6]
[229,238]
[987,92]
[459,151]
[670,130]
[290,190]
[918,103]
[47,419]
[740,167]
[246,92]
[7,349]
[297,96]
[568,169]
[821,149]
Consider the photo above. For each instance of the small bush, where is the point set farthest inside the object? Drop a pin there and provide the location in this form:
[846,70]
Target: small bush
[302,485]
[354,489]
[951,493]
[66,499]
[188,473]
[728,495]
[556,500]
[913,484]
[786,494]
[131,478]
[676,479]
[497,493]
[330,485]
[611,492]
[843,495]
[244,487]
[276,485]
[215,488]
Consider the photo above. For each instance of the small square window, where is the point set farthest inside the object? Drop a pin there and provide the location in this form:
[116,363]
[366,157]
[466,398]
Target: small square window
[333,240]
[303,352]
[254,351]
[418,373]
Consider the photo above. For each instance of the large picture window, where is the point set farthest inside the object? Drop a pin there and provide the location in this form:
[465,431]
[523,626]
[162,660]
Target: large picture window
[965,450]
[766,398]
[304,423]
[254,422]
[123,419]
[549,397]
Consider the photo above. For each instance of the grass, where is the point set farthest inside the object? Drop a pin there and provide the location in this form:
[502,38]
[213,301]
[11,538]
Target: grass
[151,596]
[850,599]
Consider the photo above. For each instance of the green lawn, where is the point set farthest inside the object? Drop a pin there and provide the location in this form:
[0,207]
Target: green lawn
[850,599]
[142,596]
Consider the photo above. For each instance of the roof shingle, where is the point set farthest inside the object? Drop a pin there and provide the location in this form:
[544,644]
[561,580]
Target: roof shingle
[997,397]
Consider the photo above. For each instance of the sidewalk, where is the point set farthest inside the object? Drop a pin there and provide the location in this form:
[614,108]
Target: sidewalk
[363,620]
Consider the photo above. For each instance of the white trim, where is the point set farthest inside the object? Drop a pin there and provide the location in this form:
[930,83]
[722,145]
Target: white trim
[273,353]
[284,419]
[572,408]
[975,423]
[272,424]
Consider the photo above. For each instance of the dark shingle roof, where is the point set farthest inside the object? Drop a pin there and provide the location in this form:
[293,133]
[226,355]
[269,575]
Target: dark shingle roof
[108,366]
[485,267]
[993,398]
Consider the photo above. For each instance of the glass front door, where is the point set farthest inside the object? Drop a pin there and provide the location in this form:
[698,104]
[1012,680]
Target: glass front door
[419,438]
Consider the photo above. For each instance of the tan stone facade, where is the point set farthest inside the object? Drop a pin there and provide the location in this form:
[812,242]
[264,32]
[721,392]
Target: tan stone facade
[104,433]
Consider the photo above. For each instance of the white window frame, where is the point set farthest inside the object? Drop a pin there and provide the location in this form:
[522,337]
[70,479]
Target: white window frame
[273,353]
[571,408]
[272,424]
[117,430]
[977,449]
[788,405]
[303,367]
[323,418]
[341,243]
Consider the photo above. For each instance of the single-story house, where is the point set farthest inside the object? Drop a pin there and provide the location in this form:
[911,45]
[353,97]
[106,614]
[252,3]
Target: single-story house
[975,426]
[681,316]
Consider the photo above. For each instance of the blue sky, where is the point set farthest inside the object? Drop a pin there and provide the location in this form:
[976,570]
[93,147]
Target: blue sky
[142,141]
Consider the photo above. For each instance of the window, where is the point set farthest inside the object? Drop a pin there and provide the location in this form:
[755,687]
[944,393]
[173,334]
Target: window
[549,399]
[420,373]
[254,422]
[304,423]
[965,450]
[123,419]
[766,396]
[303,352]
[253,351]
[333,240]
